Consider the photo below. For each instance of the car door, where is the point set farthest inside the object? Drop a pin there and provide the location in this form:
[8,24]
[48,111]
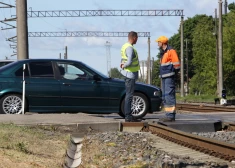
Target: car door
[42,87]
[79,91]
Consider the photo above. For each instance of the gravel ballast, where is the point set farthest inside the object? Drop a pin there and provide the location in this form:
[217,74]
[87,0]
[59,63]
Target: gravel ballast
[134,150]
[228,137]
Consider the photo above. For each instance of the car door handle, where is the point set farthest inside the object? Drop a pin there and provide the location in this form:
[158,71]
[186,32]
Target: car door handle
[66,84]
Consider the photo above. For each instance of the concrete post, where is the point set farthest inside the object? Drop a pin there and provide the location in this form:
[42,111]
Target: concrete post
[220,33]
[225,7]
[182,58]
[148,69]
[217,54]
[22,30]
[66,53]
[187,66]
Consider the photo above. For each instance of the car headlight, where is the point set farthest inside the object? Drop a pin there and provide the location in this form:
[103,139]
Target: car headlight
[157,93]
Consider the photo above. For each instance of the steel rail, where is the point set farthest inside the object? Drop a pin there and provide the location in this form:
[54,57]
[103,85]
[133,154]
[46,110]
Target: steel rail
[230,126]
[203,108]
[212,147]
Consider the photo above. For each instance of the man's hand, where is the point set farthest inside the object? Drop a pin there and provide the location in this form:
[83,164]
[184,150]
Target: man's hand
[122,66]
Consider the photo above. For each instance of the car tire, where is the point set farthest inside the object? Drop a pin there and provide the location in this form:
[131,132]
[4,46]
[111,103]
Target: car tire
[140,106]
[11,104]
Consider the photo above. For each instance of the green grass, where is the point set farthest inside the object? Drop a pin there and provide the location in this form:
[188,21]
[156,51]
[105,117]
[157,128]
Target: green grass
[33,147]
[196,99]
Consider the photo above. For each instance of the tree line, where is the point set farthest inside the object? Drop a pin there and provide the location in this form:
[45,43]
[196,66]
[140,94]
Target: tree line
[202,61]
[200,32]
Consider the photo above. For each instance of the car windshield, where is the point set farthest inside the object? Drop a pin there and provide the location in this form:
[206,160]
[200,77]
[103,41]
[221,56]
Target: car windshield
[99,73]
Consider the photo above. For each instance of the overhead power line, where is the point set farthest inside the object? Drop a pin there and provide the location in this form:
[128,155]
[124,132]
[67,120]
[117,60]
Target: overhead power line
[87,13]
[8,26]
[6,5]
[84,34]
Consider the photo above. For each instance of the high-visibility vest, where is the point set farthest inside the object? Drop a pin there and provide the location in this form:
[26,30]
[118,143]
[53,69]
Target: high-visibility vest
[134,67]
[169,63]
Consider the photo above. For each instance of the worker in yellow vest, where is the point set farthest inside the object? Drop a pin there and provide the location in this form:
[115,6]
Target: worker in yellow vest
[130,67]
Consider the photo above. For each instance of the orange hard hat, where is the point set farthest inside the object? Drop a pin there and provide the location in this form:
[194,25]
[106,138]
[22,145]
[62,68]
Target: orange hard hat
[162,39]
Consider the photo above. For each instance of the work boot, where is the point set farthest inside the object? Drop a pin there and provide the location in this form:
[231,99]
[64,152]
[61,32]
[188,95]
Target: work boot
[169,117]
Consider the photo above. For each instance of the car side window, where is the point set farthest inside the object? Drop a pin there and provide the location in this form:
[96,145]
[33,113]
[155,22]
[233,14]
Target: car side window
[73,71]
[19,72]
[41,69]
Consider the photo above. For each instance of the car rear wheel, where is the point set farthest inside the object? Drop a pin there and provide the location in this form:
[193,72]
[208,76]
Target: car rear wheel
[11,104]
[139,107]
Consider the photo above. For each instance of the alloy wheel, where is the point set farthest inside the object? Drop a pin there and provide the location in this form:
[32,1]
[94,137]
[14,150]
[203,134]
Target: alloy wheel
[12,105]
[138,105]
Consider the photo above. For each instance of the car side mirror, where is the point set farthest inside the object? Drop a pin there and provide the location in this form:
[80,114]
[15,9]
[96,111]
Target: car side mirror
[96,78]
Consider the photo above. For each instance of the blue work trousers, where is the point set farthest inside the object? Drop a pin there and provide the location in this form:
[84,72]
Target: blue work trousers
[168,92]
[130,87]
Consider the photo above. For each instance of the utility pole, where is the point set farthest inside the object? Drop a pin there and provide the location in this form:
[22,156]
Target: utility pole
[66,57]
[60,56]
[217,53]
[225,7]
[220,49]
[152,70]
[182,58]
[66,53]
[108,54]
[143,77]
[148,68]
[186,41]
[22,29]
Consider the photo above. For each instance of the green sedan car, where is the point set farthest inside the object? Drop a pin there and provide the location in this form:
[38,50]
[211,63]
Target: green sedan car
[56,85]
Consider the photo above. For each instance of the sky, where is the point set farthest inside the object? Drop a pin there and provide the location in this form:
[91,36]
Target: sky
[92,50]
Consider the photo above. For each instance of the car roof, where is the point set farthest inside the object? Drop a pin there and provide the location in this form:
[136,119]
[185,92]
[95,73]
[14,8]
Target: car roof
[45,59]
[15,63]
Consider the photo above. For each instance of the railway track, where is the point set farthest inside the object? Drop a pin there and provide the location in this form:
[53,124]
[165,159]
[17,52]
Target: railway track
[203,108]
[212,147]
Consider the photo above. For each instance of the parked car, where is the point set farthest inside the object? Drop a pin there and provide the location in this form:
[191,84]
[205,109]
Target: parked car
[5,62]
[55,85]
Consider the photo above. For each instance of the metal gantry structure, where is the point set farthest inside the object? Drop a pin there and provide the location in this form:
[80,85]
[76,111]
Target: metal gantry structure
[84,34]
[22,5]
[96,13]
[92,13]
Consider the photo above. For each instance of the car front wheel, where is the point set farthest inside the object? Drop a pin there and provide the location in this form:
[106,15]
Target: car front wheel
[139,106]
[11,104]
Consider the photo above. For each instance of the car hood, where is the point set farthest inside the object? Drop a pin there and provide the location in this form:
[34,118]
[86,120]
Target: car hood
[116,80]
[148,85]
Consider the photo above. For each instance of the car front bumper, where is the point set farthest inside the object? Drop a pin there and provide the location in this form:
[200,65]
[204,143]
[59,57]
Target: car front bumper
[155,104]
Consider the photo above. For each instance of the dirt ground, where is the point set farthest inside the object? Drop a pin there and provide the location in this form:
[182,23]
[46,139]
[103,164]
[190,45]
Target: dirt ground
[32,147]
